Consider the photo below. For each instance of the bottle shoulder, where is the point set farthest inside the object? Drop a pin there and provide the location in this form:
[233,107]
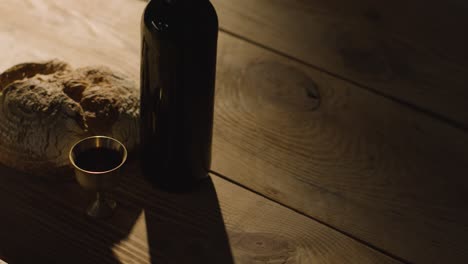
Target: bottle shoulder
[159,9]
[176,22]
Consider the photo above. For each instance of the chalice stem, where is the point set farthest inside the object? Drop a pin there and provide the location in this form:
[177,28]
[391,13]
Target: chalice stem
[102,207]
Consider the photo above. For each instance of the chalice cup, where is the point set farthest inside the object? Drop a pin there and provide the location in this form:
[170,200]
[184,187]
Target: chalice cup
[97,163]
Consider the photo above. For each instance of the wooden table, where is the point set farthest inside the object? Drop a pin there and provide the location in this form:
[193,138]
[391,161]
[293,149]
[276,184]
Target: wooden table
[340,137]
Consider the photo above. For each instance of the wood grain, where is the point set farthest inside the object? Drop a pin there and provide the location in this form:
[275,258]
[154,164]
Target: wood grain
[44,222]
[360,162]
[91,33]
[408,50]
[343,155]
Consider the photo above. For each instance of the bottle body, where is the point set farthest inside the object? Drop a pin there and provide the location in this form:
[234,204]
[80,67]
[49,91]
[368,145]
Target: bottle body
[178,66]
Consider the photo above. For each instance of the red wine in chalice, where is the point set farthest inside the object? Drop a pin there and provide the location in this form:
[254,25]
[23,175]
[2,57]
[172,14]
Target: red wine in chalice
[98,159]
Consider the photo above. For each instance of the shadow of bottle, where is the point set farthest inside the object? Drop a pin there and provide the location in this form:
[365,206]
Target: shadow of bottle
[182,227]
[194,232]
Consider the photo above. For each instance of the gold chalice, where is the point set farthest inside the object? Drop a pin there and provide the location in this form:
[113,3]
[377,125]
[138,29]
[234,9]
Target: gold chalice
[97,161]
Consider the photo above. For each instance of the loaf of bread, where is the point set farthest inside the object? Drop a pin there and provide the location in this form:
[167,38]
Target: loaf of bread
[46,107]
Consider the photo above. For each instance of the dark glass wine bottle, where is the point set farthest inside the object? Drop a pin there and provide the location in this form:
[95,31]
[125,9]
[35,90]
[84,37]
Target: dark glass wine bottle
[178,66]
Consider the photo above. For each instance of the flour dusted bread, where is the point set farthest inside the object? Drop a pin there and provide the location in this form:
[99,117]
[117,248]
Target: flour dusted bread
[46,107]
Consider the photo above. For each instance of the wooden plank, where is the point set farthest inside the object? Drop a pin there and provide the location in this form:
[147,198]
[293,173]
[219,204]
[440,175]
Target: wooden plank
[357,161]
[91,33]
[412,51]
[44,222]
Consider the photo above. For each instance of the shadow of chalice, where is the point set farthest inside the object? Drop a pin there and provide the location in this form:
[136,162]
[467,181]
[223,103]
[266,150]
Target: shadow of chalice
[97,161]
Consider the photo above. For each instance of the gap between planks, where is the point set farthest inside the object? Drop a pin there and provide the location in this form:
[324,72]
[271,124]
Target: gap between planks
[433,114]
